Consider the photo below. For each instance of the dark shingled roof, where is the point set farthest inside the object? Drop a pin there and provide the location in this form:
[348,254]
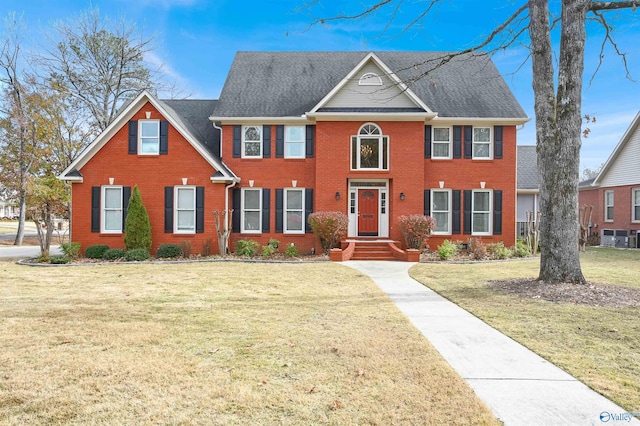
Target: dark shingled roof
[289,84]
[527,167]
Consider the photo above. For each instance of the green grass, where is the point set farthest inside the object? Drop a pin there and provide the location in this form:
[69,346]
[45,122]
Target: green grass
[217,343]
[599,346]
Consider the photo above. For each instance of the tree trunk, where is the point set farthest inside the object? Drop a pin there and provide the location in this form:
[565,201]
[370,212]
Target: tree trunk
[558,131]
[21,218]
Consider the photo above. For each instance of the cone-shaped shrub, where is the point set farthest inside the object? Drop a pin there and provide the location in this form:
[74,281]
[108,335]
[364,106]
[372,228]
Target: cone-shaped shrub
[137,227]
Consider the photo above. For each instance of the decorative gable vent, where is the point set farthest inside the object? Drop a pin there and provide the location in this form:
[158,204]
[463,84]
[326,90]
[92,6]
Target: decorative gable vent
[370,79]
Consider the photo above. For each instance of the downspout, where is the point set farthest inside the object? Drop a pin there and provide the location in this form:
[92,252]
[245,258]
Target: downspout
[220,129]
[226,209]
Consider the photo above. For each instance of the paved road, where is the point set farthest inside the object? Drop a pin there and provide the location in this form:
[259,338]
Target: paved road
[25,252]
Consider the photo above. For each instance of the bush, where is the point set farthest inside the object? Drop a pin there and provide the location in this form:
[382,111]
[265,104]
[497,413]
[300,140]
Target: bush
[416,229]
[137,227]
[329,227]
[268,251]
[291,250]
[137,255]
[186,246]
[71,250]
[114,254]
[477,248]
[498,251]
[247,248]
[206,248]
[59,260]
[447,250]
[521,249]
[169,251]
[96,252]
[274,243]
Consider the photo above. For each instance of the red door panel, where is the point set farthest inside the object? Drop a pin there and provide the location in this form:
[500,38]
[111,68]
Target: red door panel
[368,212]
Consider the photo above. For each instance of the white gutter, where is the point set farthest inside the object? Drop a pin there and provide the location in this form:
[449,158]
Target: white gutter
[219,128]
[225,228]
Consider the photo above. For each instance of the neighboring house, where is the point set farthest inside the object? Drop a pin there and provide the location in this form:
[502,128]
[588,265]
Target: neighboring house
[615,193]
[8,209]
[373,135]
[528,187]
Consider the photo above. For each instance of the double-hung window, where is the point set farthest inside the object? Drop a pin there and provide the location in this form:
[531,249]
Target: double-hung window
[481,213]
[608,206]
[252,141]
[251,210]
[441,142]
[185,210]
[441,211]
[635,199]
[294,141]
[294,211]
[482,143]
[111,209]
[149,139]
[370,149]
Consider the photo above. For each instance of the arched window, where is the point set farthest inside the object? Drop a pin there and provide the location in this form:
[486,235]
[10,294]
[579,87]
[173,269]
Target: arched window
[370,149]
[370,79]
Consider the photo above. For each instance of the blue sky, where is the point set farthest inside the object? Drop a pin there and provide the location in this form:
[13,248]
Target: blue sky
[196,41]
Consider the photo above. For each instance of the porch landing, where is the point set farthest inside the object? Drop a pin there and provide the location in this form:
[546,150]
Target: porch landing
[372,249]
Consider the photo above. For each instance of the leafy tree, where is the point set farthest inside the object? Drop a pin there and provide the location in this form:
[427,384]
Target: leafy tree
[557,86]
[137,227]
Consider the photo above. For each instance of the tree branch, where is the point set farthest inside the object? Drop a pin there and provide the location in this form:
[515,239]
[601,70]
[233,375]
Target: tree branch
[599,17]
[613,5]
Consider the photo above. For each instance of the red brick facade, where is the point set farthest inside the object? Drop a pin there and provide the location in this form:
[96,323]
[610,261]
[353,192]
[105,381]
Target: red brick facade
[622,208]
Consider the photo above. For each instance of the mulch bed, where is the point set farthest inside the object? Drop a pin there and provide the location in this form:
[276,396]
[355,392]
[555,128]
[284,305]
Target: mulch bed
[584,294]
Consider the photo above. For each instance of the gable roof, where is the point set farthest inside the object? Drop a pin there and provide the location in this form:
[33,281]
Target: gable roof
[527,168]
[290,84]
[187,116]
[629,134]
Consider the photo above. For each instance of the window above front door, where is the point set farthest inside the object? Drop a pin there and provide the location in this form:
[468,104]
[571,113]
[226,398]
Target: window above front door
[370,149]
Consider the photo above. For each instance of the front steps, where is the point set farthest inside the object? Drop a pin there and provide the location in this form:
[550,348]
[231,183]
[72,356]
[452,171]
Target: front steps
[373,250]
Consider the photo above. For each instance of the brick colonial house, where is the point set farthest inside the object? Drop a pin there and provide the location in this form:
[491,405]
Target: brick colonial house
[373,135]
[615,193]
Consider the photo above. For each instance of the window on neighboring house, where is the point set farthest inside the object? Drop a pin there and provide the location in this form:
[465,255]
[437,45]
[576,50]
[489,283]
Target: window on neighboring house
[441,210]
[251,210]
[149,137]
[608,206]
[481,213]
[481,142]
[370,149]
[185,210]
[441,142]
[636,205]
[294,211]
[112,209]
[252,141]
[294,141]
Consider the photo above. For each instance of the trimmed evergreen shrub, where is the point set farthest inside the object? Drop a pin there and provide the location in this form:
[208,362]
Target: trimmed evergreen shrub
[329,227]
[96,252]
[247,248]
[169,251]
[268,251]
[114,254]
[137,227]
[137,255]
[59,260]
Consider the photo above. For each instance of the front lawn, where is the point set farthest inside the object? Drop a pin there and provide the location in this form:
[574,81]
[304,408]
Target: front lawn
[216,343]
[599,345]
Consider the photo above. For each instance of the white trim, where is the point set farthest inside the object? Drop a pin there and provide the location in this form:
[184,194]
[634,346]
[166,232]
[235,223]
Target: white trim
[120,122]
[383,218]
[103,216]
[370,79]
[140,137]
[301,120]
[634,219]
[243,141]
[372,56]
[618,149]
[496,121]
[474,143]
[489,212]
[606,206]
[303,142]
[285,194]
[449,210]
[382,140]
[449,143]
[243,210]
[361,116]
[177,189]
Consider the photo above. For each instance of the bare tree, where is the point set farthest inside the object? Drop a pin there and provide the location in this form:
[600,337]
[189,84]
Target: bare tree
[557,108]
[99,64]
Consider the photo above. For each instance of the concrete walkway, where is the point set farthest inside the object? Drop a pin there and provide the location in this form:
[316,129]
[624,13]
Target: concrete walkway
[519,386]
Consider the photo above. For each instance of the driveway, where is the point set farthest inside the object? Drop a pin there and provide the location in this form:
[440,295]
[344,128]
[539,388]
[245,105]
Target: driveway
[25,252]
